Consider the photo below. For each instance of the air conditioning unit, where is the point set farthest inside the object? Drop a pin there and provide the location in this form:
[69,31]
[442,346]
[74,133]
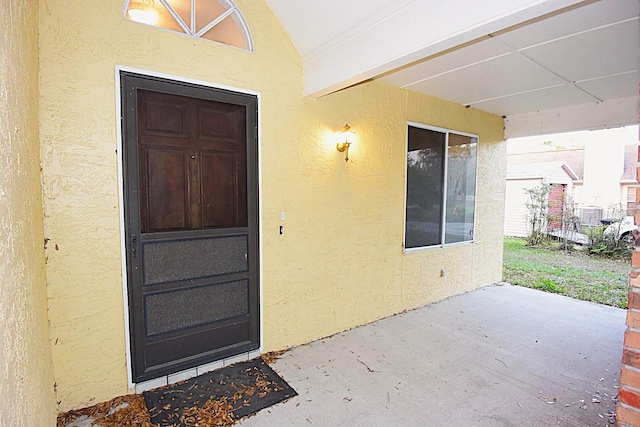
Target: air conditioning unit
[591,215]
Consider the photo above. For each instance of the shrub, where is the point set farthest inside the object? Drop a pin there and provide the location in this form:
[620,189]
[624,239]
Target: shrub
[608,247]
[538,213]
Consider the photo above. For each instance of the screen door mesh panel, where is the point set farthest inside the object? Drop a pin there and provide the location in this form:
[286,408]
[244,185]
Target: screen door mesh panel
[192,259]
[169,311]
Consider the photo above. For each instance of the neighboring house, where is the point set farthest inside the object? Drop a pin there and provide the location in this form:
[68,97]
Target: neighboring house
[169,203]
[628,182]
[574,158]
[523,177]
[605,178]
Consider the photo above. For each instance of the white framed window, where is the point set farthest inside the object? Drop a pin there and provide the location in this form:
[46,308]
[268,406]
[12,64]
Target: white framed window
[440,187]
[219,21]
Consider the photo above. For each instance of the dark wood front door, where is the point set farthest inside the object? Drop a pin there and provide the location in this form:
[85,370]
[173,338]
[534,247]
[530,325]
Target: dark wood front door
[190,169]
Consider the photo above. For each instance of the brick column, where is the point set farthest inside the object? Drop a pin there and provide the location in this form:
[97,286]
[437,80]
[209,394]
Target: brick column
[628,410]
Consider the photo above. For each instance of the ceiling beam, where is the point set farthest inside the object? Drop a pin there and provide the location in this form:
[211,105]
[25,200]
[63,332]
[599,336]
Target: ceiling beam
[594,116]
[419,30]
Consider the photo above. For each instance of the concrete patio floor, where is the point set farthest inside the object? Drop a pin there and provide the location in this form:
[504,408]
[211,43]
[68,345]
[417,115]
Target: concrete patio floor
[498,356]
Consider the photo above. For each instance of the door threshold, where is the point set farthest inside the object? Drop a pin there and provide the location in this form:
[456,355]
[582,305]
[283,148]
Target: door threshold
[194,372]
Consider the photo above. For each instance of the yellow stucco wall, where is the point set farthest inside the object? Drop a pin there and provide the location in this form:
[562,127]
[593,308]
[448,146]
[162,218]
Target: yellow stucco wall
[26,370]
[339,262]
[466,266]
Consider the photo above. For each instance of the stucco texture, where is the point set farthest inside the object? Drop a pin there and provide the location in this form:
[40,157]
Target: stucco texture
[340,261]
[26,371]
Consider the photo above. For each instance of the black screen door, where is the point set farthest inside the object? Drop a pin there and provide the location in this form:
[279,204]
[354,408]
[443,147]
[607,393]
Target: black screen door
[190,168]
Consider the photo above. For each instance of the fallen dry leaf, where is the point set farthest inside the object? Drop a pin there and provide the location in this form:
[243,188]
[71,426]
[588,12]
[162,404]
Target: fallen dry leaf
[272,356]
[131,411]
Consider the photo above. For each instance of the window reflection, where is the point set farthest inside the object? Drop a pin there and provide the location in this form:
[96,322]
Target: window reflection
[425,161]
[427,202]
[461,188]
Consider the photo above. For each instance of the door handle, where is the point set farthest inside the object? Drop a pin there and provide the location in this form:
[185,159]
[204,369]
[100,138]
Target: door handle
[134,246]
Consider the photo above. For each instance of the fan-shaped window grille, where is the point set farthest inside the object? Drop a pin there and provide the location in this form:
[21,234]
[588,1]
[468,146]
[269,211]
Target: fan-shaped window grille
[216,20]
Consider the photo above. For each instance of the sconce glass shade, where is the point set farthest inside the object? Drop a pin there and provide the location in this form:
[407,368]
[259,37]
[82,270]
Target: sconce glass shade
[143,11]
[347,135]
[345,138]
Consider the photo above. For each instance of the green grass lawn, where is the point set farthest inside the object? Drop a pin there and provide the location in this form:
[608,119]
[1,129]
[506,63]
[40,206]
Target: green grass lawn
[574,274]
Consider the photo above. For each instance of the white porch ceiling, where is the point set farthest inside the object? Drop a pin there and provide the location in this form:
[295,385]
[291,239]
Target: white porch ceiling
[546,65]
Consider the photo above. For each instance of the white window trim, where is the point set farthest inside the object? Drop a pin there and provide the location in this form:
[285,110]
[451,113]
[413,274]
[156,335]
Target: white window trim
[444,201]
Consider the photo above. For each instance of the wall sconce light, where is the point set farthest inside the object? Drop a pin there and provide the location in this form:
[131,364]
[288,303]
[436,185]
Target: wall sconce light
[345,138]
[143,11]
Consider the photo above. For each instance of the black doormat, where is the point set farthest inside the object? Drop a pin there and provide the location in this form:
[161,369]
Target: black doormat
[219,397]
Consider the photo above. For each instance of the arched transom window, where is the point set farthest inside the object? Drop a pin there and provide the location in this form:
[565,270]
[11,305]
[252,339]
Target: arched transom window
[216,20]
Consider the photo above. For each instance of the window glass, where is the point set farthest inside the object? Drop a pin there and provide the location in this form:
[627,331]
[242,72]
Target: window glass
[425,166]
[631,200]
[461,188]
[219,21]
[438,210]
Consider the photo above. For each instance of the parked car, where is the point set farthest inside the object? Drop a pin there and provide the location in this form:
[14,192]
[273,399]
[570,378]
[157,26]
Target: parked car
[619,229]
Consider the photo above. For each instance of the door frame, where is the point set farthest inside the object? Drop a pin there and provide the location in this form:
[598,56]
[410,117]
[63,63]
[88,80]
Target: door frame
[121,196]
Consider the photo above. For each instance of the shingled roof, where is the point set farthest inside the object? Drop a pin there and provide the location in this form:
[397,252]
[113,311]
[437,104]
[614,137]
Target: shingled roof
[537,170]
[574,158]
